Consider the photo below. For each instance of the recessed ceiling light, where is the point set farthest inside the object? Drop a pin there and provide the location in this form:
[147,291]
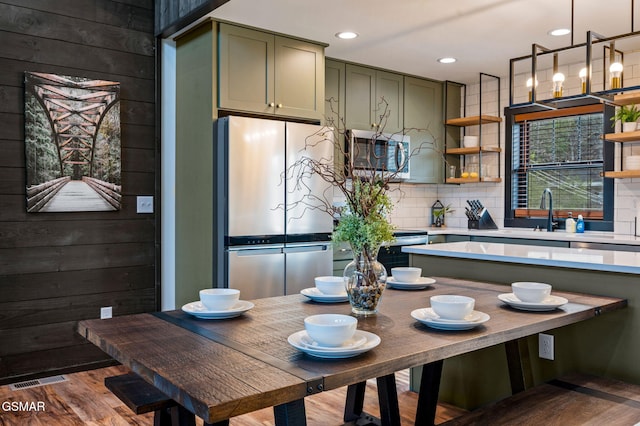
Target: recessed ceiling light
[560,32]
[447,60]
[346,35]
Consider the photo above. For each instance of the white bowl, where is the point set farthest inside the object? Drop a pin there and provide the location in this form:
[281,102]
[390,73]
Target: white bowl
[406,274]
[531,292]
[470,141]
[330,285]
[219,299]
[449,306]
[330,329]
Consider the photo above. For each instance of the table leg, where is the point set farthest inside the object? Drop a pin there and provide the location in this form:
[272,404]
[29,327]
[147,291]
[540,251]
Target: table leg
[388,400]
[290,414]
[428,397]
[181,416]
[519,364]
[355,401]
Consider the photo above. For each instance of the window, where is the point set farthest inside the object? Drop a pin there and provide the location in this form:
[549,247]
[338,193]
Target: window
[562,150]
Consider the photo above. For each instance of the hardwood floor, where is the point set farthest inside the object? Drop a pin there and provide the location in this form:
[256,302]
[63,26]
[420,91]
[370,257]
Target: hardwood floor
[83,400]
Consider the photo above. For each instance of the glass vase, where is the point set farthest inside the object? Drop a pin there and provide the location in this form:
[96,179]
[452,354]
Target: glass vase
[366,279]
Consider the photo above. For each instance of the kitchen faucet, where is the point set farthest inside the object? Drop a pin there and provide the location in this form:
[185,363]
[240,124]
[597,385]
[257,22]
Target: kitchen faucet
[551,225]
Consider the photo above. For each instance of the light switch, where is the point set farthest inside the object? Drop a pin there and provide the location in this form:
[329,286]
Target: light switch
[145,204]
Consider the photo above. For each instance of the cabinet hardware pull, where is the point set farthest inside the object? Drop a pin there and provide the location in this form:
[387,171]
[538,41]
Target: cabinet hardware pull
[271,104]
[279,105]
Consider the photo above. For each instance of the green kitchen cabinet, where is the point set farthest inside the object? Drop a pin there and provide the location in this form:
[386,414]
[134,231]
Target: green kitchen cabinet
[270,74]
[370,94]
[423,115]
[334,90]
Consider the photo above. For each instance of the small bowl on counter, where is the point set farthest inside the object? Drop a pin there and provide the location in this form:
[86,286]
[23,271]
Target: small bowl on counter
[406,274]
[330,285]
[531,292]
[330,330]
[452,307]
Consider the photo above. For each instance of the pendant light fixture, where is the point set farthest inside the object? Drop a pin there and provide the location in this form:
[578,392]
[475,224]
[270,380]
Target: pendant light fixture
[612,62]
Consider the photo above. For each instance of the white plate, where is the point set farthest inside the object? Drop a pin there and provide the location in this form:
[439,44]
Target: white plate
[421,282]
[317,296]
[550,303]
[430,318]
[197,309]
[300,339]
[355,342]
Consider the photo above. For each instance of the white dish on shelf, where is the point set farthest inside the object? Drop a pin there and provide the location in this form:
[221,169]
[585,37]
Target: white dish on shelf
[550,303]
[300,340]
[420,283]
[428,317]
[317,296]
[197,309]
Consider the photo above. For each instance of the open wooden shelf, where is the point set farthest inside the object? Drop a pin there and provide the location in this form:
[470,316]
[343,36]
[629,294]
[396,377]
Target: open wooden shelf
[627,98]
[623,137]
[473,180]
[474,150]
[624,174]
[473,120]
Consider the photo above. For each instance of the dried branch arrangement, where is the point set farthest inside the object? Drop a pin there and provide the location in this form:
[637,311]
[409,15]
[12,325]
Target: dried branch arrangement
[363,222]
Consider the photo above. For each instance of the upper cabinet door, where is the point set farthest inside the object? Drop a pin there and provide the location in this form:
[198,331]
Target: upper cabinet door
[299,78]
[360,97]
[246,69]
[334,93]
[423,116]
[374,99]
[388,112]
[268,74]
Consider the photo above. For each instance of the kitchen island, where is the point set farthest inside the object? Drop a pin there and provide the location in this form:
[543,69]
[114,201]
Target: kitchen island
[608,347]
[523,235]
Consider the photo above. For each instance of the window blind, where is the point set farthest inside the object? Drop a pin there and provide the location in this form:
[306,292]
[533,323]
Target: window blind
[564,154]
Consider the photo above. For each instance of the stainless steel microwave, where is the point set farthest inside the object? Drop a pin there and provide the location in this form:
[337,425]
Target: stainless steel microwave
[374,152]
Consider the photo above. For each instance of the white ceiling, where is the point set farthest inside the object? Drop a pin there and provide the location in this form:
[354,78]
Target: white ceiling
[409,35]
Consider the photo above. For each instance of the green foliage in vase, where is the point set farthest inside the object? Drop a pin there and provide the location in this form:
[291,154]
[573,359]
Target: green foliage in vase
[365,224]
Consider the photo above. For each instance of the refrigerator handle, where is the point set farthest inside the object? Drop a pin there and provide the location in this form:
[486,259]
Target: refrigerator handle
[308,248]
[256,252]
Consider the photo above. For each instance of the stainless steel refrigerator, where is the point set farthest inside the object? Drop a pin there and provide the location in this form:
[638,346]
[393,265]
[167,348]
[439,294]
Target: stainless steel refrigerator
[267,249]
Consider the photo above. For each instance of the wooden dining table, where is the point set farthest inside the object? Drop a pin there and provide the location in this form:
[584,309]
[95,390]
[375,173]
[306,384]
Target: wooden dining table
[218,369]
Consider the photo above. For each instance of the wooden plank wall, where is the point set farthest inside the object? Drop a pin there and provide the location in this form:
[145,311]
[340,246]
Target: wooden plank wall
[173,15]
[58,268]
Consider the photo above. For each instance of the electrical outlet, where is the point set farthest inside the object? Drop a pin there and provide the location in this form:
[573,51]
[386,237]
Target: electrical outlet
[106,312]
[545,346]
[144,204]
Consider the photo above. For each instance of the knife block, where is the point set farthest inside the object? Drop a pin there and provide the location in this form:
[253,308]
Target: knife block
[485,221]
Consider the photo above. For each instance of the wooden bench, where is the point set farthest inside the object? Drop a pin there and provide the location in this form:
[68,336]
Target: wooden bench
[142,397]
[576,399]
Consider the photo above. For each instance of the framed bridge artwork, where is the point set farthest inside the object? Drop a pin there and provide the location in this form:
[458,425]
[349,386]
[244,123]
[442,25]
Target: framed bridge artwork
[72,144]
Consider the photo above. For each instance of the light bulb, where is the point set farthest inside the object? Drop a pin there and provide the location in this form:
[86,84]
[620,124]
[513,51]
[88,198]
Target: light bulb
[530,85]
[583,78]
[558,79]
[615,69]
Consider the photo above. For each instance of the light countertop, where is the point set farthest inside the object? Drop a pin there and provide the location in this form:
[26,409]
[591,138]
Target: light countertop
[589,259]
[588,236]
